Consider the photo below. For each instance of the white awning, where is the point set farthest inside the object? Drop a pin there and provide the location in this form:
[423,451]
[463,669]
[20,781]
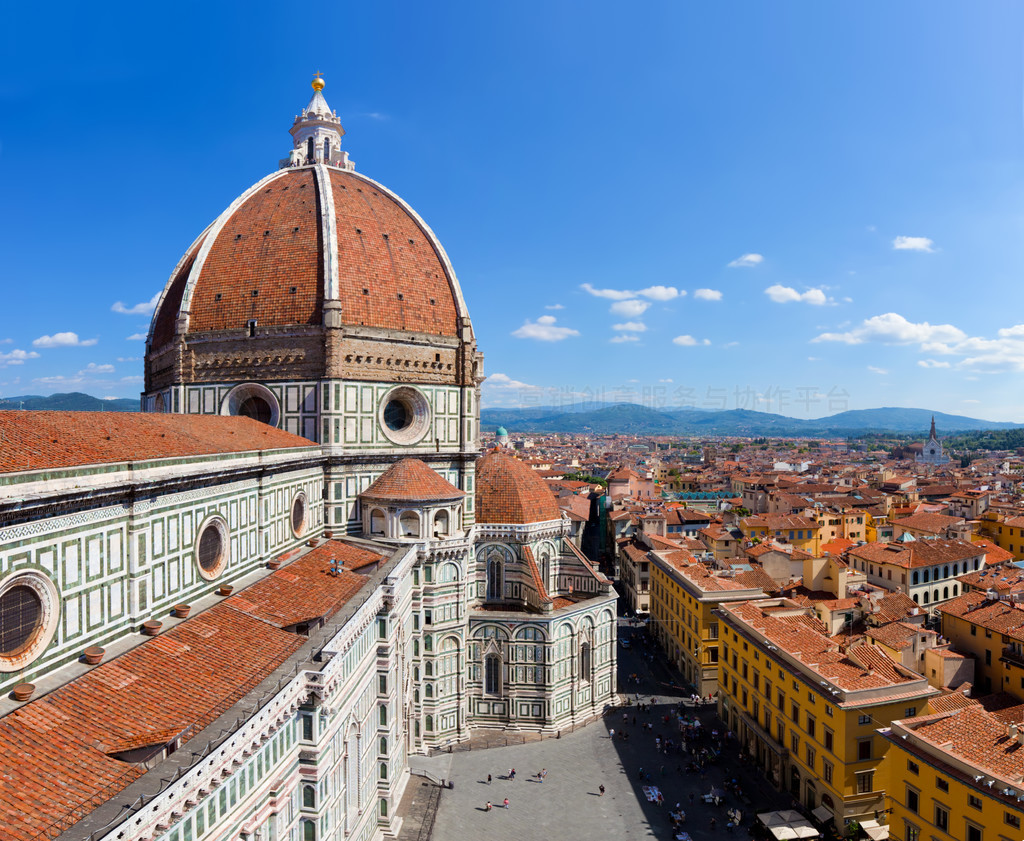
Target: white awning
[822,813]
[787,824]
[874,831]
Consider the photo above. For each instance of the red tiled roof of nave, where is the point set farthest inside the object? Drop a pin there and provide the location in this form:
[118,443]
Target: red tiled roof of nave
[179,681]
[48,440]
[507,491]
[305,590]
[411,479]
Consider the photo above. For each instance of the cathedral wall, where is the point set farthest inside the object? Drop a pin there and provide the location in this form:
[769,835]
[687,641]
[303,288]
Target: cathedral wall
[130,556]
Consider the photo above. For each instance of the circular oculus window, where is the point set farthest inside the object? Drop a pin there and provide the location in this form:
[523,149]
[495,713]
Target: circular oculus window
[404,415]
[212,548]
[299,514]
[252,400]
[28,619]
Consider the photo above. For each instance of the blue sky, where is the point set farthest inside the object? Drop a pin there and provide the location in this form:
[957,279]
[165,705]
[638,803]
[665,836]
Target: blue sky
[796,207]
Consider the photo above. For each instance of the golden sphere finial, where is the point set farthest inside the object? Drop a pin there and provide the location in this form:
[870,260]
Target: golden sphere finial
[318,82]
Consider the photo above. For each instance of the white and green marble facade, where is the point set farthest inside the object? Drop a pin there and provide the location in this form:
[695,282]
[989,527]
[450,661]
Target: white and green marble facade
[115,544]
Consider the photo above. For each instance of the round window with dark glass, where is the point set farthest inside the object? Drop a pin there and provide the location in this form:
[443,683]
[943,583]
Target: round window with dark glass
[397,415]
[211,548]
[256,408]
[21,615]
[299,514]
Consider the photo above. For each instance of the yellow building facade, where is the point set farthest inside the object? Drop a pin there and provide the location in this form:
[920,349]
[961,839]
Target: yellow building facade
[802,532]
[955,776]
[807,710]
[684,596]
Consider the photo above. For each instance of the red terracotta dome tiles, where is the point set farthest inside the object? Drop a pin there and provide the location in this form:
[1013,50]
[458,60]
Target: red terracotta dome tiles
[269,247]
[507,491]
[381,249]
[411,479]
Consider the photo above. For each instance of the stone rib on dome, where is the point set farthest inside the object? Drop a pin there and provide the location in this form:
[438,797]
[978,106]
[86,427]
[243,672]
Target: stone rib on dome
[507,491]
[411,480]
[265,260]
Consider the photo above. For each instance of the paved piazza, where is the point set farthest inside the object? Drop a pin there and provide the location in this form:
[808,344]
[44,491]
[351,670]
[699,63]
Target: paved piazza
[567,806]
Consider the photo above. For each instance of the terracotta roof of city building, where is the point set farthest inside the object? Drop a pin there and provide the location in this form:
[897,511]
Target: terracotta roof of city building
[46,440]
[918,553]
[507,491]
[412,480]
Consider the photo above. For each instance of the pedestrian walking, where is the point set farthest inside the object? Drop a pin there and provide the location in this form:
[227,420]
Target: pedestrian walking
[601,789]
[611,733]
[712,820]
[488,779]
[512,775]
[489,807]
[543,774]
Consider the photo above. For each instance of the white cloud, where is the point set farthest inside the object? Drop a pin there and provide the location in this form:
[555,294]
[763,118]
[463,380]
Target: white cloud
[129,359]
[875,370]
[554,307]
[63,340]
[970,400]
[787,294]
[623,337]
[707,295]
[892,328]
[689,341]
[932,363]
[746,260]
[661,293]
[93,368]
[60,380]
[666,380]
[630,309]
[631,327]
[611,294]
[144,308]
[134,378]
[17,357]
[912,244]
[544,330]
[136,337]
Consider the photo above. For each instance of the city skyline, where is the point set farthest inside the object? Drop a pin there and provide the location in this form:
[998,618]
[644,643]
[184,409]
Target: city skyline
[810,209]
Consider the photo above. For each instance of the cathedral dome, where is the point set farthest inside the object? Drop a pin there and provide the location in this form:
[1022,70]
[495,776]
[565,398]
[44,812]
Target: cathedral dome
[311,237]
[507,491]
[304,236]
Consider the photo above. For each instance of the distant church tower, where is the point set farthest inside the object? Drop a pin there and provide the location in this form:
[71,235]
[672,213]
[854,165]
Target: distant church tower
[932,452]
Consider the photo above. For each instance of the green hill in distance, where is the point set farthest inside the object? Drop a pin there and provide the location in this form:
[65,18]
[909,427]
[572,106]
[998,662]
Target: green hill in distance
[74,401]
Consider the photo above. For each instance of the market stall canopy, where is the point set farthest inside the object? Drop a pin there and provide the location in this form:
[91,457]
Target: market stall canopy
[874,831]
[787,824]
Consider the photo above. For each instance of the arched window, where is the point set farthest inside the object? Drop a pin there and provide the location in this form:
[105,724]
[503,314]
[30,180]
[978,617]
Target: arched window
[309,148]
[441,528]
[976,561]
[428,690]
[430,724]
[383,770]
[376,521]
[492,675]
[383,746]
[926,597]
[935,595]
[585,662]
[955,588]
[926,575]
[916,597]
[309,797]
[383,808]
[914,578]
[945,571]
[495,588]
[327,150]
[308,827]
[945,592]
[428,669]
[383,714]
[409,524]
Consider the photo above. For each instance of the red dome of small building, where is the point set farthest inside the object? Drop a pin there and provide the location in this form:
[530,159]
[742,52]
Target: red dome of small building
[507,491]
